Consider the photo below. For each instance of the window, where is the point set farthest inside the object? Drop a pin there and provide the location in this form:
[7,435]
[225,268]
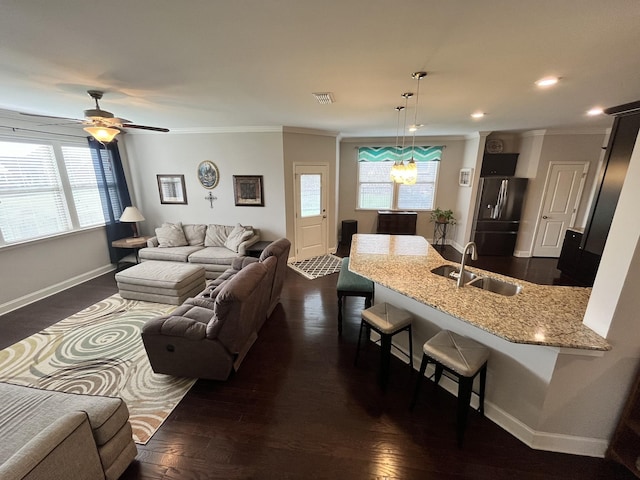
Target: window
[376,191]
[46,188]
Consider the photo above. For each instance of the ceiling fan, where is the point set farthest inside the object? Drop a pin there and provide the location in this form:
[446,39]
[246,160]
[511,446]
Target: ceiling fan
[101,124]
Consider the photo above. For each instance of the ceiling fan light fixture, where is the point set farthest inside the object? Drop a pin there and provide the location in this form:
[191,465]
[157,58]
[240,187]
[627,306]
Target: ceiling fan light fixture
[102,134]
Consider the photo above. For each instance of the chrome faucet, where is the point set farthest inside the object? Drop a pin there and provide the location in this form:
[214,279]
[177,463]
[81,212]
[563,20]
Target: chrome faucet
[471,248]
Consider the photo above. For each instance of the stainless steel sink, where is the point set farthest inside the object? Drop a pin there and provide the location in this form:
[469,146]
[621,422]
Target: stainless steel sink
[496,286]
[453,272]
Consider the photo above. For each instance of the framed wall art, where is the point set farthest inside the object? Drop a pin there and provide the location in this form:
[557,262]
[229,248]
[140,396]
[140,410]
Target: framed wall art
[208,174]
[247,190]
[466,176]
[172,189]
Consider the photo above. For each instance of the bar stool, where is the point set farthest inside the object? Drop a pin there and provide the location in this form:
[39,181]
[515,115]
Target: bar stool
[352,285]
[462,357]
[386,320]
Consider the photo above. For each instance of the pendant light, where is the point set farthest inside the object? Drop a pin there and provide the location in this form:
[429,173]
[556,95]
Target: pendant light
[411,169]
[398,169]
[395,173]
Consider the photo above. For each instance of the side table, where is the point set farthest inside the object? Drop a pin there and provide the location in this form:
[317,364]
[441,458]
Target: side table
[134,243]
[256,249]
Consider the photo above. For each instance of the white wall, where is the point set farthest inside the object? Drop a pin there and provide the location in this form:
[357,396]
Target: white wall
[465,203]
[40,268]
[245,153]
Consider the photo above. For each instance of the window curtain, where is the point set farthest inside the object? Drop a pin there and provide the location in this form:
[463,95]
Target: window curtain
[391,154]
[114,193]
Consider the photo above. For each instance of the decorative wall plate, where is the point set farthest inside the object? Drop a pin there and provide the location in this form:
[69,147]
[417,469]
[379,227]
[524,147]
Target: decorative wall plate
[208,174]
[494,145]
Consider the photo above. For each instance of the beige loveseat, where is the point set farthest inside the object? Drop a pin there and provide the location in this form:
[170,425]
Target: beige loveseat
[211,246]
[60,436]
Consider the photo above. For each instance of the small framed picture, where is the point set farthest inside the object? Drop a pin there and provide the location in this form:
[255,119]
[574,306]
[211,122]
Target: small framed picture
[208,174]
[172,189]
[247,190]
[466,176]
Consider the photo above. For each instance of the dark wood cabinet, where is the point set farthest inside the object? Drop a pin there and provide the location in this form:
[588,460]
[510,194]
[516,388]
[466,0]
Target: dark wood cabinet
[581,262]
[621,143]
[397,223]
[576,263]
[625,444]
[499,164]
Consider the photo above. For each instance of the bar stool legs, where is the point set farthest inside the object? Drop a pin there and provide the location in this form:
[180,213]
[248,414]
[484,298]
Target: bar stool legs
[465,359]
[386,320]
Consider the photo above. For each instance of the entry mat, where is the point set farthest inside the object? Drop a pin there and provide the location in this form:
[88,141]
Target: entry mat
[317,266]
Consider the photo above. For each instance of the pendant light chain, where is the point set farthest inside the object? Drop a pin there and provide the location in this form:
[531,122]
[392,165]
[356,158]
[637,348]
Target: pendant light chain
[411,169]
[406,96]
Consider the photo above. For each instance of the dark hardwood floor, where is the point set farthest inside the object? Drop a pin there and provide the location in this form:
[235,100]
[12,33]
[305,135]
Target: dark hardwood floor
[298,408]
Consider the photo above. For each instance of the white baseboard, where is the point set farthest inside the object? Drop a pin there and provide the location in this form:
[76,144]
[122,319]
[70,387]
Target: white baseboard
[522,253]
[538,440]
[53,289]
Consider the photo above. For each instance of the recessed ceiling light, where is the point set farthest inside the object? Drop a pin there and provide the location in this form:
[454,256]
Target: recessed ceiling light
[547,82]
[414,128]
[595,111]
[324,98]
[477,115]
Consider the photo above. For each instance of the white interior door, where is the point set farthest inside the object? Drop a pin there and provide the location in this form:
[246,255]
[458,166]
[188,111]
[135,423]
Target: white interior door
[311,210]
[562,193]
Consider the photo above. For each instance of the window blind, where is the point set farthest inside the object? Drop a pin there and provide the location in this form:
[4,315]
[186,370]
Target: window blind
[84,187]
[32,201]
[377,191]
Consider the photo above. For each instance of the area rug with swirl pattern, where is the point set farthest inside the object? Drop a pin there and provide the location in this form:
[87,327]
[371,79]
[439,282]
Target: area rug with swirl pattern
[99,351]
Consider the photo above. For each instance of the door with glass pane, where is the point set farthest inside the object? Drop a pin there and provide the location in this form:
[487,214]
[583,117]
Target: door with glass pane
[311,210]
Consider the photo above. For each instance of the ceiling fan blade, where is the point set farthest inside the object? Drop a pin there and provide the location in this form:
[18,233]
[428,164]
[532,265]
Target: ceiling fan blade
[51,116]
[143,127]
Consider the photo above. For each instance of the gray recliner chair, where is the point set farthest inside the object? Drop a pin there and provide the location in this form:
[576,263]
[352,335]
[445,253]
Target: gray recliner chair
[208,338]
[279,249]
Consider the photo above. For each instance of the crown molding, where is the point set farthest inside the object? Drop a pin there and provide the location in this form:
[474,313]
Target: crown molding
[257,129]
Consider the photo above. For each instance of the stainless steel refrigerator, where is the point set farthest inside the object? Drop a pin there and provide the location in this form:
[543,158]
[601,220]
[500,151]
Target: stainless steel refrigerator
[497,214]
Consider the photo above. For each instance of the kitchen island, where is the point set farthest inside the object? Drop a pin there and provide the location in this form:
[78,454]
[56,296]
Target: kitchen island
[532,335]
[538,314]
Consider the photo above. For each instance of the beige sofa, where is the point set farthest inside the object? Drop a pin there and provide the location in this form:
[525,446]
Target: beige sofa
[210,246]
[53,435]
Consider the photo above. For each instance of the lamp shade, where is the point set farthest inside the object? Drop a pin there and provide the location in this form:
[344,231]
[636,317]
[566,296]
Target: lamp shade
[131,214]
[102,134]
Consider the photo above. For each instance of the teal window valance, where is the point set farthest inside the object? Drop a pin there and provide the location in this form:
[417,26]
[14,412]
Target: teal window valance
[391,154]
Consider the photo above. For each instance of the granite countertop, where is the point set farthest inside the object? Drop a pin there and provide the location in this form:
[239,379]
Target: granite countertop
[539,314]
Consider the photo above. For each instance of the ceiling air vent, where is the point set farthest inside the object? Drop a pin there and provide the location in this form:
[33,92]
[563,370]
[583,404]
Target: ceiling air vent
[324,98]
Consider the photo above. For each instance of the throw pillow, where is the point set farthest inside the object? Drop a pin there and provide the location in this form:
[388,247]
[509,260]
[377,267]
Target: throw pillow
[195,234]
[171,235]
[238,235]
[216,236]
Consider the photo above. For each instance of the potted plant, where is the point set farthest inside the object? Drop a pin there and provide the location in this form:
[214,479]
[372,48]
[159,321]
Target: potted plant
[442,216]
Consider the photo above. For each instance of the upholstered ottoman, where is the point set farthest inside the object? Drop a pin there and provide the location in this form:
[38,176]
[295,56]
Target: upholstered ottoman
[162,282]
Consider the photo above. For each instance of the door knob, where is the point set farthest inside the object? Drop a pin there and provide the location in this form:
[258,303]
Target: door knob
[545,217]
